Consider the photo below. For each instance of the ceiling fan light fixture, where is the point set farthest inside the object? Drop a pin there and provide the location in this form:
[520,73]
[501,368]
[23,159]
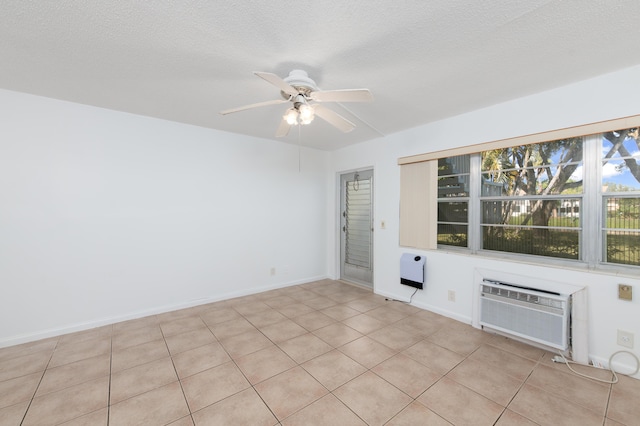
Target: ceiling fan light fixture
[291,116]
[306,113]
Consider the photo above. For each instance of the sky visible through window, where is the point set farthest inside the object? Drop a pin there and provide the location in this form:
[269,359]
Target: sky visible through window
[614,170]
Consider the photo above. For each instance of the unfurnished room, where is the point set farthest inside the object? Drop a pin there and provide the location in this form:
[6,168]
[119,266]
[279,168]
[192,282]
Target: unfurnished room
[319,213]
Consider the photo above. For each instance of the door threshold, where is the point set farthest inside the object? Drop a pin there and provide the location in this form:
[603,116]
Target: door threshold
[355,284]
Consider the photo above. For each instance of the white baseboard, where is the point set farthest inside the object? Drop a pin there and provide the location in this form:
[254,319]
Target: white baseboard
[623,364]
[72,328]
[445,313]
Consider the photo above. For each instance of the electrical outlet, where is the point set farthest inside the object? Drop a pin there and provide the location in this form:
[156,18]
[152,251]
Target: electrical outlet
[625,339]
[452,296]
[383,224]
[625,292]
[273,271]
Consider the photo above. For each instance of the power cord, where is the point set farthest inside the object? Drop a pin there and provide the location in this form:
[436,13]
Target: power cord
[396,300]
[565,361]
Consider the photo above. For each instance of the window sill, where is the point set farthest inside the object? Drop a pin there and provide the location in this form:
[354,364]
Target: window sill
[577,265]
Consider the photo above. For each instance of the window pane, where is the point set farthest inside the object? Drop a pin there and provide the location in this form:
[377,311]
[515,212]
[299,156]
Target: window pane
[617,177]
[490,188]
[457,212]
[532,212]
[536,241]
[622,213]
[622,230]
[531,169]
[620,144]
[453,177]
[452,223]
[621,161]
[453,165]
[453,235]
[453,186]
[622,247]
[532,226]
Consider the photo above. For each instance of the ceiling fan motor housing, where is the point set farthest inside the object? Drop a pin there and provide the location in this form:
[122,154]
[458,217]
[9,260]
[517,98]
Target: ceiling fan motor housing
[300,80]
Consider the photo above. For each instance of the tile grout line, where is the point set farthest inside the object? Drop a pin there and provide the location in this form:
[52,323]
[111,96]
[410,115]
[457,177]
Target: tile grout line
[519,387]
[110,373]
[184,395]
[39,383]
[606,409]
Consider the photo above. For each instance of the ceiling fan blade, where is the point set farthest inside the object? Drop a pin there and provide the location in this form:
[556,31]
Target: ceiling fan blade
[345,95]
[333,118]
[259,104]
[283,129]
[278,82]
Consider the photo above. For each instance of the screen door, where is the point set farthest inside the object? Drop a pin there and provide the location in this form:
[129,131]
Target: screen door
[356,227]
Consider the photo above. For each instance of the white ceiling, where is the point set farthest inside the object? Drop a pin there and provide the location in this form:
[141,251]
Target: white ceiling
[423,60]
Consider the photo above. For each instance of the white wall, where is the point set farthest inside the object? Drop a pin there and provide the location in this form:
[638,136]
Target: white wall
[594,100]
[106,216]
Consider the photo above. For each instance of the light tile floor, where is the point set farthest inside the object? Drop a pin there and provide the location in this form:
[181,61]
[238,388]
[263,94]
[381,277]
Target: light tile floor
[323,353]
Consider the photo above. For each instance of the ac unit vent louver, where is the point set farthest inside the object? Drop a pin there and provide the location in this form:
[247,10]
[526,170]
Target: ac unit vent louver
[532,314]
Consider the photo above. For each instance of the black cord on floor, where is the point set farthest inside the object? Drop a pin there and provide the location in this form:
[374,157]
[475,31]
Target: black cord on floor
[396,300]
[414,293]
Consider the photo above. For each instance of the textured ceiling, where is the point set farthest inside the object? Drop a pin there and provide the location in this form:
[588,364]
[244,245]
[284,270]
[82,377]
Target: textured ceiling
[423,60]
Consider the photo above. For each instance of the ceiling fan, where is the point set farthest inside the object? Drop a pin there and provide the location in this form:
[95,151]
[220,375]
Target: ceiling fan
[305,97]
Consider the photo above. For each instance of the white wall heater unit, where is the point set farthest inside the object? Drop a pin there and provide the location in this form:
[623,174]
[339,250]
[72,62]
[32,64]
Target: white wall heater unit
[412,270]
[536,315]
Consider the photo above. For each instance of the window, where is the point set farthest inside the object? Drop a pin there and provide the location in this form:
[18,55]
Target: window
[453,200]
[574,198]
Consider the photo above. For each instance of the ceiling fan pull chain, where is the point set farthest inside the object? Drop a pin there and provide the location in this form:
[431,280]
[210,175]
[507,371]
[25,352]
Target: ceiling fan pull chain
[299,150]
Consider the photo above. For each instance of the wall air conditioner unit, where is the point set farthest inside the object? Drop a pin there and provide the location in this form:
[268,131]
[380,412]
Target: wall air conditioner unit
[532,314]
